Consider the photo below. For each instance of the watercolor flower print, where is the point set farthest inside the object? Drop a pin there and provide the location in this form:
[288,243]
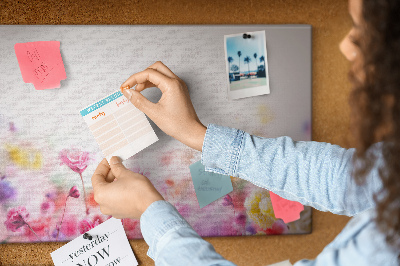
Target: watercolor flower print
[78,161]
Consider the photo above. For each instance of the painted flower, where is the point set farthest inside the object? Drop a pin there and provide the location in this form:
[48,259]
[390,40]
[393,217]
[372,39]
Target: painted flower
[130,224]
[16,218]
[11,127]
[75,159]
[47,207]
[251,230]
[69,226]
[279,227]
[78,161]
[241,219]
[227,201]
[85,225]
[74,192]
[7,192]
[51,195]
[91,200]
[25,156]
[259,209]
[38,228]
[132,228]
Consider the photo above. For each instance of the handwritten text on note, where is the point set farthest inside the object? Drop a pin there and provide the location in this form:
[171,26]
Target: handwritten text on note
[41,63]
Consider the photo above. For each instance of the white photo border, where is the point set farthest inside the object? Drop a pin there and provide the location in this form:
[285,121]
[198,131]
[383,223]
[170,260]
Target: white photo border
[247,92]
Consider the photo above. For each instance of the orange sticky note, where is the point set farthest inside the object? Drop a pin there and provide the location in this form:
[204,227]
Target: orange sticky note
[41,63]
[287,210]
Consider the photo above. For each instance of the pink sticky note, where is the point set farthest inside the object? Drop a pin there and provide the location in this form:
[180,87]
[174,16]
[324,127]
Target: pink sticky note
[41,63]
[287,210]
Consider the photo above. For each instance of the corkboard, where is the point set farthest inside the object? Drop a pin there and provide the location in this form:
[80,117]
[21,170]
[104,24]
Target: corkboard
[330,23]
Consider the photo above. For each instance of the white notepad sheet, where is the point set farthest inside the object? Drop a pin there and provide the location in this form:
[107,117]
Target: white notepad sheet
[118,126]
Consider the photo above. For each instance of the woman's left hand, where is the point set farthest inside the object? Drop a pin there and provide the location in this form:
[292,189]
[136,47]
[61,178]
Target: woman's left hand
[121,192]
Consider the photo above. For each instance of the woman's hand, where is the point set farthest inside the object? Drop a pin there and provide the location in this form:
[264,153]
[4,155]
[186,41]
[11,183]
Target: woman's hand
[174,113]
[121,192]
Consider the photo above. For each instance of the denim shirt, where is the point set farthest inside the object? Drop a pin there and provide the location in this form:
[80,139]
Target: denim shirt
[312,173]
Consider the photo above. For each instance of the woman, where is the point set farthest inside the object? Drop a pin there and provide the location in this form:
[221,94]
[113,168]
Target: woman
[360,182]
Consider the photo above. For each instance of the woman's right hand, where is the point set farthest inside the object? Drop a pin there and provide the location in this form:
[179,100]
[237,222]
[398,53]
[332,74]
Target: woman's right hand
[174,112]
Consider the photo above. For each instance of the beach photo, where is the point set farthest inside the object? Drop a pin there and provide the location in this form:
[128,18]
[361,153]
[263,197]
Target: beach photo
[246,64]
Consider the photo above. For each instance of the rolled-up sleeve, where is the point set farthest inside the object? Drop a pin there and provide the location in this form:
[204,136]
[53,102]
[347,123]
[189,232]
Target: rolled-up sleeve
[313,173]
[172,241]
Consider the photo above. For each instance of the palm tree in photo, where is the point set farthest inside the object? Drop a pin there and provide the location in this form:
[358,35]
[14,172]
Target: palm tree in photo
[230,60]
[247,60]
[262,59]
[255,57]
[239,54]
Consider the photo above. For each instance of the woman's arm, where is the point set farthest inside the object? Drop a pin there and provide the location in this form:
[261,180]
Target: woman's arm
[313,173]
[172,241]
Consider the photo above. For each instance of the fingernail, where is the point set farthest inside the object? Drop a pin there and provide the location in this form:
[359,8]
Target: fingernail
[128,94]
[125,88]
[115,160]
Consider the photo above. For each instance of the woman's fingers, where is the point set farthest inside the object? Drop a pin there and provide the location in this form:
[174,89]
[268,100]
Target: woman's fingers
[160,67]
[100,174]
[159,80]
[142,86]
[110,177]
[141,102]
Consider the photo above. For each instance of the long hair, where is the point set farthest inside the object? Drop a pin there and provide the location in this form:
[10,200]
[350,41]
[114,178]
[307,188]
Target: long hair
[375,103]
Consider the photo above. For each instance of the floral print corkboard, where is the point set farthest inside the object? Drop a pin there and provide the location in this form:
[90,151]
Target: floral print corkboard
[48,155]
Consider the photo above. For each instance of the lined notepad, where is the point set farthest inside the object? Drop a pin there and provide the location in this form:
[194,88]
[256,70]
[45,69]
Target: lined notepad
[118,126]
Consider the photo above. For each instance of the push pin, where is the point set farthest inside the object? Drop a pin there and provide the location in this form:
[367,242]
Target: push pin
[246,36]
[87,236]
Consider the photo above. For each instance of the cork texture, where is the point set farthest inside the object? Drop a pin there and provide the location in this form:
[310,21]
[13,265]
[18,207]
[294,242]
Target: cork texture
[330,22]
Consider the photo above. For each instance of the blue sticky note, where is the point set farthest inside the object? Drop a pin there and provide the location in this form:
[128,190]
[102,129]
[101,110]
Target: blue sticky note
[209,186]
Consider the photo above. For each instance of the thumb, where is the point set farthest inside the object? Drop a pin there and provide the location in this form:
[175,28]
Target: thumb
[138,100]
[117,167]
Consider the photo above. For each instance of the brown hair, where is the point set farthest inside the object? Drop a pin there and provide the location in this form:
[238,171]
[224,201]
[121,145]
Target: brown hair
[375,103]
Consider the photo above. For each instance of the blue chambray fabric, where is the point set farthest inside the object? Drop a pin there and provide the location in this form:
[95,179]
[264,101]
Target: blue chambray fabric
[312,173]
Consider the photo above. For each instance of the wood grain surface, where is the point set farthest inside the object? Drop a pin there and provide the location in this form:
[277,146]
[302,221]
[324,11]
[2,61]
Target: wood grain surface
[330,22]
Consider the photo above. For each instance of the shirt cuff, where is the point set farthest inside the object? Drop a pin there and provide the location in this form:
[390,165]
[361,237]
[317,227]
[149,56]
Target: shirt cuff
[158,219]
[222,148]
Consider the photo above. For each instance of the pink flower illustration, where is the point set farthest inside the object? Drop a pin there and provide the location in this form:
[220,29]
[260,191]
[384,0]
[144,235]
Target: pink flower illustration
[74,193]
[69,227]
[16,218]
[85,225]
[47,207]
[78,161]
[75,159]
[39,228]
[278,228]
[228,201]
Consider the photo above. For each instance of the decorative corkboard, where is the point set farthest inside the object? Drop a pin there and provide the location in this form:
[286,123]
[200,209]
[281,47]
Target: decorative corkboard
[330,23]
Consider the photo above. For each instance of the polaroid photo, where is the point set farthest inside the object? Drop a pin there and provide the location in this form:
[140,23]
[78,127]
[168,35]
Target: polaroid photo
[246,64]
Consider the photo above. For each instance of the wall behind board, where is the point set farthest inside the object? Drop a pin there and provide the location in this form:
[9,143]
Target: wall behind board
[330,22]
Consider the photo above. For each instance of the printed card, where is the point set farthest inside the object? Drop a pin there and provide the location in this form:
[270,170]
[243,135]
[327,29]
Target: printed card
[41,63]
[108,246]
[118,126]
[209,186]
